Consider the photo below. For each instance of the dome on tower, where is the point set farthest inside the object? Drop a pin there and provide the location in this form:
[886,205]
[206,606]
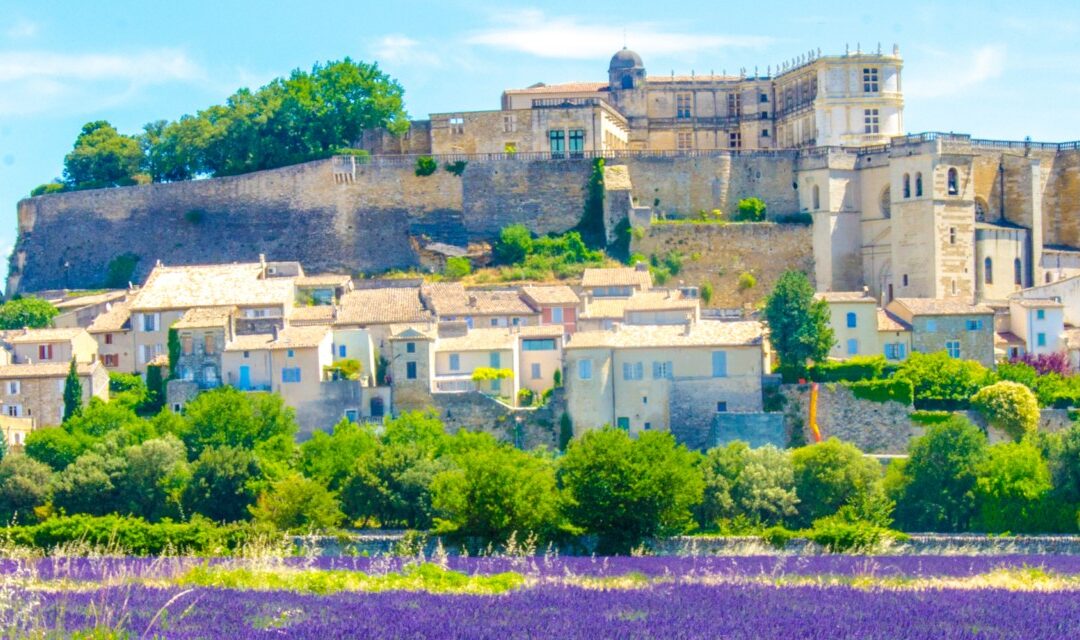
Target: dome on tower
[625,59]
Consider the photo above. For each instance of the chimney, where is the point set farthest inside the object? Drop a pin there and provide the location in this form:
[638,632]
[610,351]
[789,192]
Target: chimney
[687,328]
[641,266]
[472,301]
[262,265]
[274,332]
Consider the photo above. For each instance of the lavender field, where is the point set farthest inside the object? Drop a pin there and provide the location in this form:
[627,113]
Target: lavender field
[544,597]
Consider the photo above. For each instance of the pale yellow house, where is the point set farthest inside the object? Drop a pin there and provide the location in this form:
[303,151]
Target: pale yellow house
[115,338]
[648,377]
[290,362]
[52,345]
[82,310]
[15,431]
[854,320]
[457,357]
[478,308]
[650,307]
[365,320]
[541,349]
[262,300]
[36,391]
[893,336]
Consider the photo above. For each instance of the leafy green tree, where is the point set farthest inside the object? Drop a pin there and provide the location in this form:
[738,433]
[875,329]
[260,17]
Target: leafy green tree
[457,267]
[751,210]
[49,187]
[87,485]
[1012,489]
[173,345]
[764,490]
[102,157]
[566,428]
[798,324]
[1009,406]
[393,487]
[100,418]
[154,478]
[226,417]
[224,483]
[1065,464]
[127,390]
[935,488]
[25,483]
[422,428]
[514,244]
[155,389]
[706,292]
[941,382]
[831,474]
[627,491]
[31,312]
[296,503]
[331,458]
[72,392]
[497,491]
[56,447]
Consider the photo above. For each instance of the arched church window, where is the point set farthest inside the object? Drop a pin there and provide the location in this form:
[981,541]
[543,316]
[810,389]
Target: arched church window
[988,271]
[907,186]
[953,181]
[817,198]
[886,203]
[918,185]
[628,82]
[1018,272]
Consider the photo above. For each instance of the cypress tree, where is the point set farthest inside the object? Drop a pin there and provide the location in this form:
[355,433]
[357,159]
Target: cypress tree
[72,392]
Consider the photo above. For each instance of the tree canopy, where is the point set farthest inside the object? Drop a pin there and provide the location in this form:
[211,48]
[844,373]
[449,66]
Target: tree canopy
[798,324]
[31,312]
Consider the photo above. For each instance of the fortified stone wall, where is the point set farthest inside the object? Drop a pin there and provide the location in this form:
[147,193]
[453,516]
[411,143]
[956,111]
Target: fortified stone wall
[720,254]
[873,427]
[524,428]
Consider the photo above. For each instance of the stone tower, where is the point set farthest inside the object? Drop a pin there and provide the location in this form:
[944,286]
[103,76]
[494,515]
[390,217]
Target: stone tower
[627,86]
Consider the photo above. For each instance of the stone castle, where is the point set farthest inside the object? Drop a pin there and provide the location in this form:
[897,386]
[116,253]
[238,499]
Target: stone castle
[926,215]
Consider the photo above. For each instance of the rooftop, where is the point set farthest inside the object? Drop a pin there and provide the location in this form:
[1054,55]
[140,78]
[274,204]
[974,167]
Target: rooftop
[659,301]
[935,307]
[479,340]
[211,286]
[314,314]
[554,294]
[1038,303]
[702,334]
[30,336]
[616,277]
[889,322]
[407,332]
[204,317]
[292,337]
[845,296]
[381,306]
[323,280]
[79,301]
[115,319]
[45,370]
[452,299]
[568,87]
[605,308]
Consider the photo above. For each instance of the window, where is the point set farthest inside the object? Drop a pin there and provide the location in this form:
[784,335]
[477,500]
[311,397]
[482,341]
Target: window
[918,185]
[341,350]
[187,345]
[623,423]
[508,124]
[534,371]
[988,271]
[556,315]
[953,347]
[557,140]
[410,371]
[1018,272]
[410,347]
[13,387]
[683,105]
[952,235]
[931,325]
[542,344]
[648,425]
[763,98]
[852,320]
[852,347]
[662,370]
[108,338]
[817,197]
[210,374]
[187,374]
[735,140]
[290,374]
[870,79]
[247,354]
[633,371]
[110,360]
[904,279]
[209,345]
[45,352]
[494,322]
[719,364]
[895,350]
[684,140]
[954,286]
[973,325]
[496,385]
[644,399]
[584,369]
[1040,339]
[289,353]
[149,321]
[577,140]
[871,122]
[764,115]
[907,185]
[764,133]
[457,124]
[733,104]
[515,321]
[495,359]
[1040,314]
[721,407]
[15,410]
[455,362]
[953,182]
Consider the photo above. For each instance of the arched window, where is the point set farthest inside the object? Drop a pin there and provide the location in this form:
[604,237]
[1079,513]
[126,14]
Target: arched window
[852,321]
[907,186]
[954,182]
[886,203]
[988,271]
[918,185]
[817,198]
[1018,272]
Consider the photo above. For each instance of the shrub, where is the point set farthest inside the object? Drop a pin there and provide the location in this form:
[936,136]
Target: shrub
[1012,488]
[757,485]
[47,188]
[25,484]
[778,537]
[1009,406]
[1045,363]
[804,219]
[706,292]
[296,503]
[526,397]
[941,382]
[747,281]
[750,210]
[831,474]
[195,216]
[344,369]
[120,270]
[566,431]
[425,166]
[457,267]
[883,390]
[850,370]
[927,417]
[457,167]
[30,311]
[841,533]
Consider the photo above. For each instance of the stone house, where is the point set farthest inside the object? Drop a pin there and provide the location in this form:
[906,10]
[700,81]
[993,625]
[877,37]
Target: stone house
[960,329]
[450,301]
[621,282]
[82,310]
[115,338]
[52,345]
[648,377]
[557,304]
[666,306]
[36,391]
[366,318]
[411,366]
[203,333]
[459,351]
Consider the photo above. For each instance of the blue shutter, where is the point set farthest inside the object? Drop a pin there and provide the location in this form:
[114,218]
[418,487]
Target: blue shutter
[719,364]
[495,359]
[627,371]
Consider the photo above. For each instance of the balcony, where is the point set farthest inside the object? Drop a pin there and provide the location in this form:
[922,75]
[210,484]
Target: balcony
[454,384]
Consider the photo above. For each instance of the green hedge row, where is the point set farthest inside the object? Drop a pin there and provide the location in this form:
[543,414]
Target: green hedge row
[850,370]
[892,390]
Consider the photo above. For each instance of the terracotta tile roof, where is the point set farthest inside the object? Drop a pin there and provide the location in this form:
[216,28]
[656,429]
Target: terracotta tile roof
[936,307]
[452,299]
[323,280]
[566,87]
[888,322]
[478,340]
[204,317]
[315,314]
[45,370]
[78,302]
[659,301]
[1037,303]
[555,294]
[288,338]
[116,319]
[617,277]
[845,296]
[381,306]
[413,332]
[604,308]
[211,286]
[30,336]
[541,331]
[1008,337]
[702,334]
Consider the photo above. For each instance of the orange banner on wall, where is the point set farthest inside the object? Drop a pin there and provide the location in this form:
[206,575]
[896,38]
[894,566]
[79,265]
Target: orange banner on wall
[813,412]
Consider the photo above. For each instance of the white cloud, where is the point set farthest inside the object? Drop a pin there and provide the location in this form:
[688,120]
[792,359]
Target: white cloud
[533,32]
[22,28]
[401,49]
[44,81]
[948,73]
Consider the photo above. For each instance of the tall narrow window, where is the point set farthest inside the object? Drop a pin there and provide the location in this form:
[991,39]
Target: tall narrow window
[953,182]
[871,121]
[988,271]
[684,140]
[817,197]
[952,235]
[735,140]
[870,79]
[577,140]
[719,364]
[557,139]
[852,320]
[907,186]
[1018,272]
[918,185]
[683,102]
[733,104]
[853,347]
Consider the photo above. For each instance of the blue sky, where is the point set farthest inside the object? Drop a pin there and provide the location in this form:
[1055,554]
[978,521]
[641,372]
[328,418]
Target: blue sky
[992,69]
